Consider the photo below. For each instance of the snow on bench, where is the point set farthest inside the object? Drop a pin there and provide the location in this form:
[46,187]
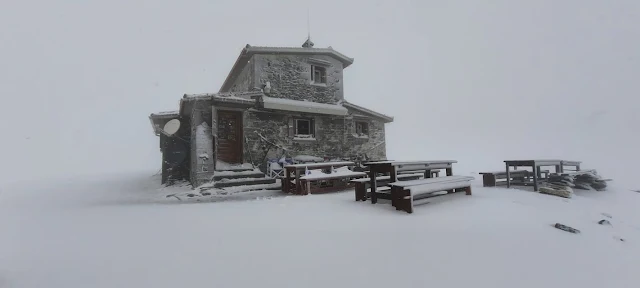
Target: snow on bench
[445,179]
[405,198]
[383,189]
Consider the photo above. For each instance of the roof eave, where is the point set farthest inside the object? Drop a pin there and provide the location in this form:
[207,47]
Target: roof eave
[384,118]
[226,85]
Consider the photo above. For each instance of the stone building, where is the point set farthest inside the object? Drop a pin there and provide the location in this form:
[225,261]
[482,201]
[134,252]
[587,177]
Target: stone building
[276,102]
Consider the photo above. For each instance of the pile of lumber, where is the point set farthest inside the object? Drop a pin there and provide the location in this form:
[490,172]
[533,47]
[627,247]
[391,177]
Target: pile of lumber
[562,184]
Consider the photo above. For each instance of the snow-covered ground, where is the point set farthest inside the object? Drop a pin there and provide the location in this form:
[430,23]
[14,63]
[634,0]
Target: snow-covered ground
[124,232]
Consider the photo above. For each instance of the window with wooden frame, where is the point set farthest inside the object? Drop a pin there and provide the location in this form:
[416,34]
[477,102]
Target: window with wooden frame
[362,128]
[303,128]
[318,74]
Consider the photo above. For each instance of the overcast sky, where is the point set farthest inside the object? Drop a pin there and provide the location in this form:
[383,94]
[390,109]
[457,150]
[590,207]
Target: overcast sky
[475,81]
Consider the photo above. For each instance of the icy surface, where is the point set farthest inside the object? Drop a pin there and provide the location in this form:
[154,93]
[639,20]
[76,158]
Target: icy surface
[105,233]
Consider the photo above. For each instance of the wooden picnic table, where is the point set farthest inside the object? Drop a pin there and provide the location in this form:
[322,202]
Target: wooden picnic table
[535,166]
[393,167]
[292,172]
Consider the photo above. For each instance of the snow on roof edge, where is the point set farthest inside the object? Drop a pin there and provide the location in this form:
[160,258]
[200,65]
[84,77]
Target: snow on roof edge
[303,106]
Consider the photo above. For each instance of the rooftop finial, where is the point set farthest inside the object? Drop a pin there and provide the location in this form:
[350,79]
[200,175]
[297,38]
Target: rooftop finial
[308,43]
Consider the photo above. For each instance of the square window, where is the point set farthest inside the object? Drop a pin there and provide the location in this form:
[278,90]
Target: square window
[318,75]
[304,128]
[362,128]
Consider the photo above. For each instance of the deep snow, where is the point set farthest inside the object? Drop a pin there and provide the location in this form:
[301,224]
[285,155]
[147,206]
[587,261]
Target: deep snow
[124,232]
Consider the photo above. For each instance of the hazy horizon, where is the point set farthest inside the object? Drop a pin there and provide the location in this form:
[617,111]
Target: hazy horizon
[476,82]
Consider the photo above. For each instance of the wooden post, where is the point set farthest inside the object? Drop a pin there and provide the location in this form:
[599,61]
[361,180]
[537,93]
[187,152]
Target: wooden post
[372,177]
[393,175]
[214,133]
[298,186]
[449,171]
[427,173]
[286,180]
[468,190]
[536,171]
[558,170]
[508,175]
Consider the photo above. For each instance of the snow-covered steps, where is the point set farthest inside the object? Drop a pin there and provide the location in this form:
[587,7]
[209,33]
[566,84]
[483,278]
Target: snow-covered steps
[222,166]
[220,175]
[243,182]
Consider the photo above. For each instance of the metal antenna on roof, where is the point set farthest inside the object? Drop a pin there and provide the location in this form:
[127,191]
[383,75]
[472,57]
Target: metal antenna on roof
[308,24]
[308,43]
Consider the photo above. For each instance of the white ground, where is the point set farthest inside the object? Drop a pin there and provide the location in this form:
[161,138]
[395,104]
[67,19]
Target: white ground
[123,232]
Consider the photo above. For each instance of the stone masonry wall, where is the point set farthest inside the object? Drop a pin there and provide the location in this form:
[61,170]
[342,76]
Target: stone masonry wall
[245,81]
[335,138]
[290,77]
[202,157]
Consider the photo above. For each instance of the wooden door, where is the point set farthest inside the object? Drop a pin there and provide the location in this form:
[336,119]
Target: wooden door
[230,136]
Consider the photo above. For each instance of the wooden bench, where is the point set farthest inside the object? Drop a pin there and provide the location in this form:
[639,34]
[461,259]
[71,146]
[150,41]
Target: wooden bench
[490,179]
[317,181]
[363,191]
[405,197]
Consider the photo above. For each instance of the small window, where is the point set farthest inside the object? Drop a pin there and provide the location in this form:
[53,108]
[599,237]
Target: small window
[318,75]
[304,128]
[362,128]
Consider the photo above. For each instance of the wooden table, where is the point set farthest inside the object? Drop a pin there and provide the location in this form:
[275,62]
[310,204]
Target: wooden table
[295,169]
[535,166]
[393,167]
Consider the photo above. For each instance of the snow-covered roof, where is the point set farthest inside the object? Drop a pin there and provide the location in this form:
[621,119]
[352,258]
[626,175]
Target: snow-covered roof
[303,106]
[159,118]
[366,111]
[164,114]
[248,51]
[228,96]
[242,99]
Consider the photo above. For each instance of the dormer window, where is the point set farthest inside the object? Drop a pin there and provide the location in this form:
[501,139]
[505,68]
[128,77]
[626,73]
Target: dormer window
[318,75]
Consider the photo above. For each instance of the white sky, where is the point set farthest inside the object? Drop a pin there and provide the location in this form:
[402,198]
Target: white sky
[476,81]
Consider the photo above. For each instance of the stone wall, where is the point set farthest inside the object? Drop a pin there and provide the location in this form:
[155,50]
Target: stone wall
[290,77]
[268,137]
[245,81]
[201,154]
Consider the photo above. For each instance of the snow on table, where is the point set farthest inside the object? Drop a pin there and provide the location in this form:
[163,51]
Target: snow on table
[322,164]
[398,163]
[382,178]
[341,173]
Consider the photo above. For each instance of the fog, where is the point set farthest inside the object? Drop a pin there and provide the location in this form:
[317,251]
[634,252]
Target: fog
[475,81]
